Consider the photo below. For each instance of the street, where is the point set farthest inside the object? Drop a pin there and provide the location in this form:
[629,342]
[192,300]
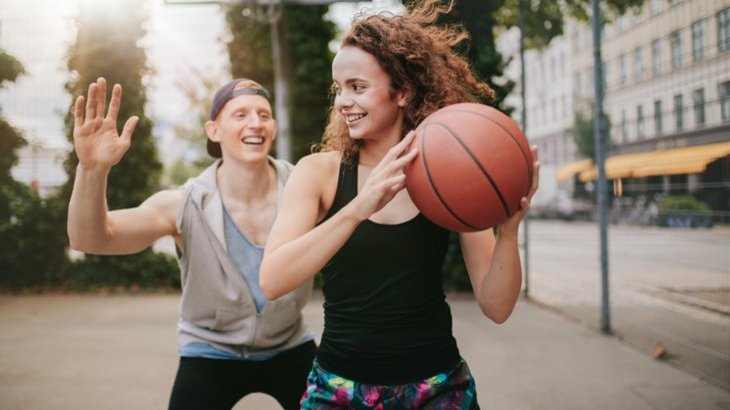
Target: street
[669,288]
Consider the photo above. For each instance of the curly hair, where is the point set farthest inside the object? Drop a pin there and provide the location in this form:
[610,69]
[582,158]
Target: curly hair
[418,55]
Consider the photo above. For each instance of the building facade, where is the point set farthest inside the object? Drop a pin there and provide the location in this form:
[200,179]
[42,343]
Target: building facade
[666,82]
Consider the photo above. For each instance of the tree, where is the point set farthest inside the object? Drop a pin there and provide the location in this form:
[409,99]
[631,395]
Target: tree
[545,19]
[198,89]
[107,44]
[308,38]
[583,135]
[477,17]
[28,224]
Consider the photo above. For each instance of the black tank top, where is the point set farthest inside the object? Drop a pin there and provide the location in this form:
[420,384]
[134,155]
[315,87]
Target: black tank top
[386,318]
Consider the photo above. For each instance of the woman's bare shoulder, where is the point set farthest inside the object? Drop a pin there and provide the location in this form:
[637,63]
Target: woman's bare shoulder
[320,163]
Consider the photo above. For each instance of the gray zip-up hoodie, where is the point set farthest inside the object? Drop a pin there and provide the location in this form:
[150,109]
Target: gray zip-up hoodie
[216,306]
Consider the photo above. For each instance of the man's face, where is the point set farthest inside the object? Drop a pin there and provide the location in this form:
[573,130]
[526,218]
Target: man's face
[245,128]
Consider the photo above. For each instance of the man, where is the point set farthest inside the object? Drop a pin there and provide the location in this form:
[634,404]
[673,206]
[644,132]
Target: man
[232,341]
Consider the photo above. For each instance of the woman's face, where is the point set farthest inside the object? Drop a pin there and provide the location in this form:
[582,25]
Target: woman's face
[364,96]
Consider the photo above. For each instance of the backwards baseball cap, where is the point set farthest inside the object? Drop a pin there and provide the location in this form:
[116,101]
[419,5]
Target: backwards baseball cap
[222,96]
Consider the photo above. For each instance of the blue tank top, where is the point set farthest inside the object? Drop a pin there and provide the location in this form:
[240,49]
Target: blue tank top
[386,318]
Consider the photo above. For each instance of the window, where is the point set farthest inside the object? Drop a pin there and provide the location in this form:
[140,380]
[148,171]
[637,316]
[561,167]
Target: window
[655,6]
[675,46]
[656,57]
[698,34]
[725,101]
[640,122]
[622,69]
[723,29]
[624,126]
[658,116]
[699,103]
[678,112]
[638,64]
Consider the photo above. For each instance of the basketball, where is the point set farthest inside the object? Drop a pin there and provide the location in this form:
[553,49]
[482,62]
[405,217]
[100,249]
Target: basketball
[473,167]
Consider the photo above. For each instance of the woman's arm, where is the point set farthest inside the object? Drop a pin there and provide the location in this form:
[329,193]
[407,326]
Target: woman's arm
[494,265]
[297,247]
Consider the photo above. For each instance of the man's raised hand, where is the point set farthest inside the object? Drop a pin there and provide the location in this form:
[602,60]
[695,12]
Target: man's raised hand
[96,139]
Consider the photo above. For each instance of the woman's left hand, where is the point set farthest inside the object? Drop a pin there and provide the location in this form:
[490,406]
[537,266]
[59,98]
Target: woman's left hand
[514,221]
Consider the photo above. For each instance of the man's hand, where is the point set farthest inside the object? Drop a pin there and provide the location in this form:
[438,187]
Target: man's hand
[96,140]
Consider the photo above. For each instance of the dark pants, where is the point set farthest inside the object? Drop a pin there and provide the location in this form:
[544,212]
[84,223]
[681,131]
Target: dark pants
[214,384]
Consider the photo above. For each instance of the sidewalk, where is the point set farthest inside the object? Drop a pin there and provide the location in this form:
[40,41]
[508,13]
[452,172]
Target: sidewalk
[119,352]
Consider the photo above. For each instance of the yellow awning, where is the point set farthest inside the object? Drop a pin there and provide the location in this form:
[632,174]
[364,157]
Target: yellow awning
[568,170]
[688,160]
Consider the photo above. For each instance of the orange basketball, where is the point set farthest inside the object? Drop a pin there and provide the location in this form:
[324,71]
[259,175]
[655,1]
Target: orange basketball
[473,167]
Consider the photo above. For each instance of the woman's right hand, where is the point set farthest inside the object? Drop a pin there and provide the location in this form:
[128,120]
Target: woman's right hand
[385,180]
[96,140]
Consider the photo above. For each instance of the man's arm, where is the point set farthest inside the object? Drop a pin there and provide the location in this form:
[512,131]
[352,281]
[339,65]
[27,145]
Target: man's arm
[94,229]
[91,227]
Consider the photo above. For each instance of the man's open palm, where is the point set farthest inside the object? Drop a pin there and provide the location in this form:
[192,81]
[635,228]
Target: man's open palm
[96,140]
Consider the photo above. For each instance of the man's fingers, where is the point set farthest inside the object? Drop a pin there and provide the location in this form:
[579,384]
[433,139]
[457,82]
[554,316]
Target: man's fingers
[79,112]
[129,128]
[100,97]
[91,103]
[115,102]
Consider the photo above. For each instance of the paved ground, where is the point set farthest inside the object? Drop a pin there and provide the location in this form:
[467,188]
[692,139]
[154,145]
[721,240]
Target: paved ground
[118,352]
[668,287]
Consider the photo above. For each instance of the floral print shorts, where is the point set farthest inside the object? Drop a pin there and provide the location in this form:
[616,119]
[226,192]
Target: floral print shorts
[452,390]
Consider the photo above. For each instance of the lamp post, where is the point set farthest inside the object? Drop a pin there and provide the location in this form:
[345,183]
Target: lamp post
[600,163]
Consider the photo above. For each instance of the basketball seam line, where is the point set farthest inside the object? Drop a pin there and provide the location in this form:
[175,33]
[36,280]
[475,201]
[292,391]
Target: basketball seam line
[433,186]
[481,168]
[529,169]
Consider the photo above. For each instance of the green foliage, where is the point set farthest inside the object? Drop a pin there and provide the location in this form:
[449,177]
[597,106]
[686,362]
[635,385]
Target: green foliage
[307,40]
[108,45]
[477,17]
[32,241]
[146,269]
[583,135]
[311,60]
[684,211]
[10,69]
[10,141]
[181,170]
[670,204]
[544,19]
[249,49]
[455,276]
[34,236]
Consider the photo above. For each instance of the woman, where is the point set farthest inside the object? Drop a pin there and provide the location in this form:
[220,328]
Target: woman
[387,340]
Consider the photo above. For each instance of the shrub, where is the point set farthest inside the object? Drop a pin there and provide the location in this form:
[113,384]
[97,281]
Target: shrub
[684,211]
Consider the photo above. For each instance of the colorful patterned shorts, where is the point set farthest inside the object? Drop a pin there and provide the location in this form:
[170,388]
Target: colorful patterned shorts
[453,390]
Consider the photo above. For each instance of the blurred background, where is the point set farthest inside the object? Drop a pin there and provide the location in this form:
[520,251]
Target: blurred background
[666,129]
